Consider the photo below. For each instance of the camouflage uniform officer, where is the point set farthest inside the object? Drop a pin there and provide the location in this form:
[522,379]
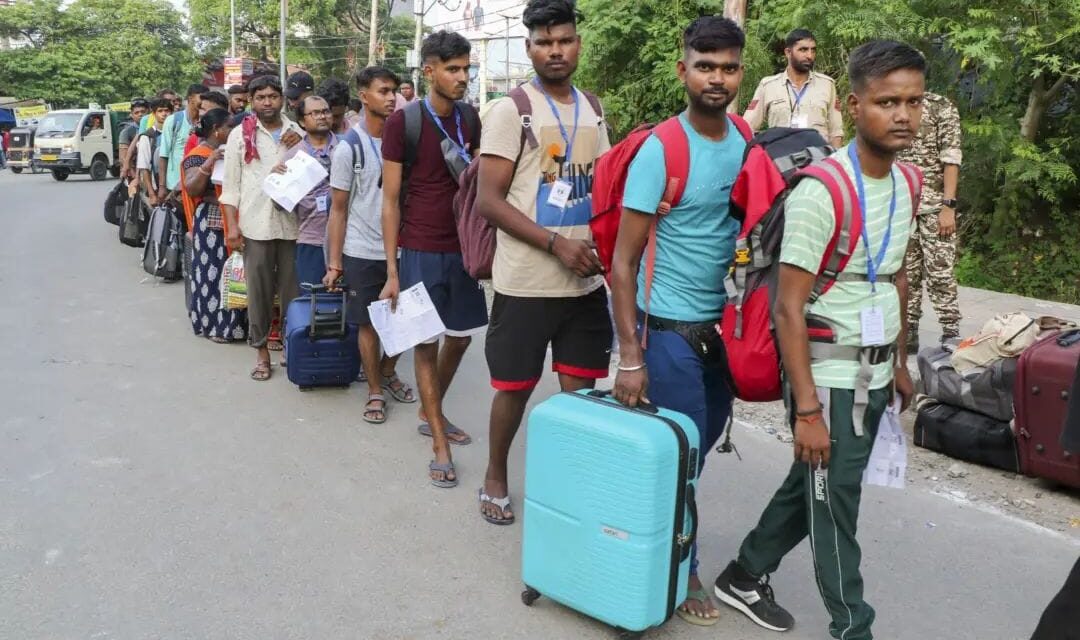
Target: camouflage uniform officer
[932,250]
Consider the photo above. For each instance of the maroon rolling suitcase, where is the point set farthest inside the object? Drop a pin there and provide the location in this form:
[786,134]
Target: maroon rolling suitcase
[1041,395]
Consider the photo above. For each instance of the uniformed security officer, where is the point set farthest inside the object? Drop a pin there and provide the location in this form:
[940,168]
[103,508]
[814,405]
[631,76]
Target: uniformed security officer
[798,96]
[932,250]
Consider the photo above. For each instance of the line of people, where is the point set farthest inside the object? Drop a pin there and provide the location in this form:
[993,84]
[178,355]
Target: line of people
[383,221]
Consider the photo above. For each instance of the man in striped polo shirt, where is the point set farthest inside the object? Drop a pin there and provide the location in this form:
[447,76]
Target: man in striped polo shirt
[820,497]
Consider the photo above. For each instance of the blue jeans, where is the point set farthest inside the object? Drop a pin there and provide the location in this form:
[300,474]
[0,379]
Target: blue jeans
[680,381]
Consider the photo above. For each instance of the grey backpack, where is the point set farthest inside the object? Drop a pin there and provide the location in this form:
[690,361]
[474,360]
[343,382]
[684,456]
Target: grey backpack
[163,252]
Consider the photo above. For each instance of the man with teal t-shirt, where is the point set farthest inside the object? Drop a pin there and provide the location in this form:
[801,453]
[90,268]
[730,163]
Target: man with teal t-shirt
[695,243]
[834,433]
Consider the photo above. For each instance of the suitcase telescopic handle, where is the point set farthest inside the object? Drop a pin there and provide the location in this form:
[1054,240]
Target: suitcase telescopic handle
[316,289]
[647,407]
[687,540]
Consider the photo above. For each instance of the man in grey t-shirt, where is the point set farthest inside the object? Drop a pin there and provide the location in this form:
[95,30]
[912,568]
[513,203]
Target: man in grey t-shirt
[354,239]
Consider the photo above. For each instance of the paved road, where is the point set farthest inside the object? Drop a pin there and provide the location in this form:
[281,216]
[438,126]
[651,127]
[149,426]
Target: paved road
[149,490]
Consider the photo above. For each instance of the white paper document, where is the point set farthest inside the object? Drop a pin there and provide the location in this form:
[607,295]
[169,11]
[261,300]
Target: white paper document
[888,459]
[218,175]
[413,322]
[302,174]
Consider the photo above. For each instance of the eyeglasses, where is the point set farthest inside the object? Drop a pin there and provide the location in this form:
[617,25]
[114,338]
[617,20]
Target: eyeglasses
[319,113]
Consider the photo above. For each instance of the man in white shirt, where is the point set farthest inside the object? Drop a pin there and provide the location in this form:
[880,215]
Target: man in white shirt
[267,233]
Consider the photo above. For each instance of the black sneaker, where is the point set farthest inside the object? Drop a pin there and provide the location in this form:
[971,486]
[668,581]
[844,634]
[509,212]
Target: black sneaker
[754,598]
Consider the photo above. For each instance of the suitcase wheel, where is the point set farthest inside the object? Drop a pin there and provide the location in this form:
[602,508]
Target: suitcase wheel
[623,634]
[529,596]
[303,388]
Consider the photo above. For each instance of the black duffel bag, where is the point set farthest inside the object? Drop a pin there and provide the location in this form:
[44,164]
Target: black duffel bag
[967,435]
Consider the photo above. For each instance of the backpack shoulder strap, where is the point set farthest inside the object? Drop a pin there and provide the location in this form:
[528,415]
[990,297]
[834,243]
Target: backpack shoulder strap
[913,176]
[742,125]
[352,138]
[414,121]
[594,102]
[524,109]
[848,222]
[676,145]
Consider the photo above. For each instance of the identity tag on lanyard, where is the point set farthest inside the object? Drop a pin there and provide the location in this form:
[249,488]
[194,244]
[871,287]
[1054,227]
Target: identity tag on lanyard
[872,319]
[801,120]
[873,326]
[560,194]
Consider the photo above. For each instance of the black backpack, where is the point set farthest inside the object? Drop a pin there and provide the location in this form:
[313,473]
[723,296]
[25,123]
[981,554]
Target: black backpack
[163,253]
[133,220]
[115,203]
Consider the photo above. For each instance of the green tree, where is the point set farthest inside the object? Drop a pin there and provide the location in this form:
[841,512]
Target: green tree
[1011,66]
[94,51]
[328,37]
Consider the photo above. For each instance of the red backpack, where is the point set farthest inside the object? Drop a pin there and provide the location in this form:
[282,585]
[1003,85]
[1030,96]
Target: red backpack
[609,184]
[775,162]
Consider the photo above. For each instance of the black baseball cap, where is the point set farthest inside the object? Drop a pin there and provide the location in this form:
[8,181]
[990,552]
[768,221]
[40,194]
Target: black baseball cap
[299,83]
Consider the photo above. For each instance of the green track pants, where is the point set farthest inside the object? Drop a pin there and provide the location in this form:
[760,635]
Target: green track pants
[824,504]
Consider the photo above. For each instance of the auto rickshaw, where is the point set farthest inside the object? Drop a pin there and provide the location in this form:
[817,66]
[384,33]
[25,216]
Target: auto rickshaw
[21,154]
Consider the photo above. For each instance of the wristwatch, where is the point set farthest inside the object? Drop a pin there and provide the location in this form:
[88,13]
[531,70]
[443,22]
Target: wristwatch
[949,202]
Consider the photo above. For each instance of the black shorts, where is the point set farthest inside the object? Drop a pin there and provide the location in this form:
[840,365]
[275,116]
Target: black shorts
[578,330]
[365,279]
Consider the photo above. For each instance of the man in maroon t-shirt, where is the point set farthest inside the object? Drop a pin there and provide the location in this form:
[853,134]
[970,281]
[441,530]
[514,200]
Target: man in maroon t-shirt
[423,227]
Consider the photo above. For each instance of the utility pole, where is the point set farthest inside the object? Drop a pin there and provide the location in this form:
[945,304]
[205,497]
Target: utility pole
[281,36]
[418,17]
[232,28]
[735,10]
[481,76]
[373,32]
[507,40]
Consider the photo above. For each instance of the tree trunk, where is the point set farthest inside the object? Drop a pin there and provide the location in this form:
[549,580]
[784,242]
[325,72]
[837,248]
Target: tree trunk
[1036,107]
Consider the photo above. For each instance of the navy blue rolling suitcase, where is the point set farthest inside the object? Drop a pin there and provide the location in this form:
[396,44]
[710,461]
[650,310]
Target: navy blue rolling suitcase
[610,514]
[321,349]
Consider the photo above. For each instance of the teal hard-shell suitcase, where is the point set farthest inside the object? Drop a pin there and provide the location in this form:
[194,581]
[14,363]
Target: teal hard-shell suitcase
[609,513]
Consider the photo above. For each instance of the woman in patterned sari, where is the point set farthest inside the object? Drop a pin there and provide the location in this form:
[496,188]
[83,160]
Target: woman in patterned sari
[208,316]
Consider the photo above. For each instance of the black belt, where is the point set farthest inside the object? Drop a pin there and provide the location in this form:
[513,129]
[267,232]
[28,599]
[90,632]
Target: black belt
[658,323]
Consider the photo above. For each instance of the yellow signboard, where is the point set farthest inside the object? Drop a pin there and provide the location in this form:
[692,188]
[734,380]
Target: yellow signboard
[119,106]
[24,113]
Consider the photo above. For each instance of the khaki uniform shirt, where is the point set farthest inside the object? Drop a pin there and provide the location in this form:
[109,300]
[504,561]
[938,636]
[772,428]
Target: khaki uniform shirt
[937,145]
[774,105]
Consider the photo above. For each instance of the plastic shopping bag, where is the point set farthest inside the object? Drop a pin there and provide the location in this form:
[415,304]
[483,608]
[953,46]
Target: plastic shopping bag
[233,283]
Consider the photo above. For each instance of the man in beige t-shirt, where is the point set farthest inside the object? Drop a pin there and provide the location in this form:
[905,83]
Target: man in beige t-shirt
[546,274]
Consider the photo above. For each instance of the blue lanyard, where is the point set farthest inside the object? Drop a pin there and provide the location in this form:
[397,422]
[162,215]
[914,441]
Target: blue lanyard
[798,95]
[457,122]
[872,264]
[567,138]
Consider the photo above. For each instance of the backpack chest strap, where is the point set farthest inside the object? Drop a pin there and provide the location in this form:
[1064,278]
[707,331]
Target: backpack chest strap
[862,277]
[867,357]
